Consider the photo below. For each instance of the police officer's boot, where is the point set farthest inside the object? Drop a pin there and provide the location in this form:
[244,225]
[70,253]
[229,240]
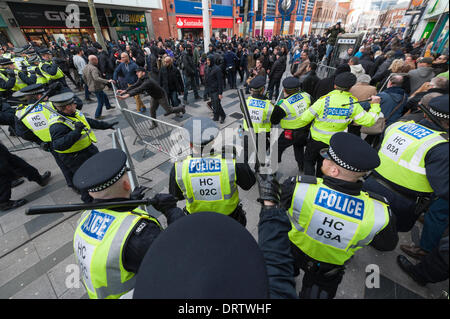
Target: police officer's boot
[45,178]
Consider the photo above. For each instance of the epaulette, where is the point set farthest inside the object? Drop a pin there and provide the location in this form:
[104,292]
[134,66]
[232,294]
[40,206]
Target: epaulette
[307,179]
[445,136]
[378,197]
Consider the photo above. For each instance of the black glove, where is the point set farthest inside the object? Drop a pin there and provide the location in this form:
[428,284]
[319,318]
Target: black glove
[269,188]
[45,146]
[163,202]
[111,125]
[10,72]
[79,126]
[138,193]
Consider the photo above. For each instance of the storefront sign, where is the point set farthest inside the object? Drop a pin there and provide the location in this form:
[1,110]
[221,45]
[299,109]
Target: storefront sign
[194,22]
[39,15]
[119,18]
[189,22]
[238,20]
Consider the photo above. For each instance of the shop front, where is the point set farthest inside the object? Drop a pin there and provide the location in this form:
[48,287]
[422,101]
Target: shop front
[45,23]
[129,25]
[192,27]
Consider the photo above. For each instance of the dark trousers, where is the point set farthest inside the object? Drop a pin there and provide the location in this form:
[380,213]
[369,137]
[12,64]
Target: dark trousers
[173,98]
[189,84]
[321,280]
[102,99]
[11,168]
[155,103]
[298,140]
[217,106]
[231,77]
[274,85]
[313,158]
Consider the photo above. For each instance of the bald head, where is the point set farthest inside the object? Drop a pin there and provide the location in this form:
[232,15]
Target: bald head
[93,59]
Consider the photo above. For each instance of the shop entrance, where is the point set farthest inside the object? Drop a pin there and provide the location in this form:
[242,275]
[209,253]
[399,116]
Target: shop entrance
[138,36]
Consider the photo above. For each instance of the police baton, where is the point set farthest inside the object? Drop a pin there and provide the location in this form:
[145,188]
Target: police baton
[246,113]
[368,100]
[51,88]
[51,209]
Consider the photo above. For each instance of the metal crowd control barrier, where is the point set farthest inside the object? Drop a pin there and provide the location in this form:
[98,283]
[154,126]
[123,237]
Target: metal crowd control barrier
[324,71]
[119,142]
[165,137]
[15,143]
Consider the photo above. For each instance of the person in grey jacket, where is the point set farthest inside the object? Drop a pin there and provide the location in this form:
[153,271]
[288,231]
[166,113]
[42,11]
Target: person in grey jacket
[91,76]
[423,73]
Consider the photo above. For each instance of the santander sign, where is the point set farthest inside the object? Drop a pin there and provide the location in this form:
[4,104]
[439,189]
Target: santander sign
[189,22]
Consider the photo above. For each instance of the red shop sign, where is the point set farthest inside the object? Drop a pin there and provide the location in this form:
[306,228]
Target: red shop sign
[222,23]
[189,22]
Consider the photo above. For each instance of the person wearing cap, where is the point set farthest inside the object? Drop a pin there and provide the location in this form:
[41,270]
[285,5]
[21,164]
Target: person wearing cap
[332,113]
[413,174]
[423,73]
[20,59]
[50,68]
[333,217]
[11,79]
[71,134]
[53,73]
[158,96]
[209,180]
[287,113]
[12,167]
[109,244]
[260,109]
[35,126]
[33,68]
[7,77]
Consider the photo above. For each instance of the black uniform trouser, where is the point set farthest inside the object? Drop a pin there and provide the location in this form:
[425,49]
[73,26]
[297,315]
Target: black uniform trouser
[298,140]
[313,158]
[321,280]
[68,175]
[11,168]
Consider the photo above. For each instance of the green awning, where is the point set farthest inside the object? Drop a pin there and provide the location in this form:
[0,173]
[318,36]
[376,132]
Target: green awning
[2,22]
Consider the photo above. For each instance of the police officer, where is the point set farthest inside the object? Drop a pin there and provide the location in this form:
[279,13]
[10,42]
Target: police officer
[109,244]
[332,217]
[35,126]
[33,68]
[20,59]
[332,113]
[7,77]
[208,180]
[414,168]
[287,113]
[260,109]
[53,73]
[71,134]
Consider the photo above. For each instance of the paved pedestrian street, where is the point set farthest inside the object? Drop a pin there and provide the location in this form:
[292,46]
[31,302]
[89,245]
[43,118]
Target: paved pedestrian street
[36,252]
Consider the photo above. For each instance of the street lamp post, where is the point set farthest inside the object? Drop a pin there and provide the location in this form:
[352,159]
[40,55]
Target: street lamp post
[205,14]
